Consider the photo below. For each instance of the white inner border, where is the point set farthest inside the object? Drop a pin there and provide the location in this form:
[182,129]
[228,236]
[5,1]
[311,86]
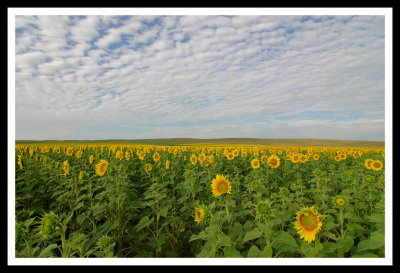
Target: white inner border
[387,12]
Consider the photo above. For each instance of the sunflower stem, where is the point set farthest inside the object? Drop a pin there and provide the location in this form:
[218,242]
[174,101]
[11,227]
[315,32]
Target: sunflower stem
[228,213]
[341,223]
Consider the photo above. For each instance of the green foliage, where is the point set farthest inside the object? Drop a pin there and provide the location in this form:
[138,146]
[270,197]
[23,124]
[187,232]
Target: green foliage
[129,212]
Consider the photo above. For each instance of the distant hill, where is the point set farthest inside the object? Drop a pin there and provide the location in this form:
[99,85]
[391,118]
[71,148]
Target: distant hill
[242,141]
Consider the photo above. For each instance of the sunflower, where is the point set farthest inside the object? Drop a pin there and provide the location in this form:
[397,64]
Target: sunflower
[340,201]
[303,158]
[220,185]
[316,156]
[156,157]
[79,154]
[66,167]
[274,161]
[141,155]
[167,165]
[127,155]
[69,151]
[230,156]
[148,167]
[368,179]
[377,165]
[91,159]
[193,159]
[206,162]
[264,159]
[102,167]
[255,163]
[202,157]
[20,162]
[368,162]
[308,224]
[295,158]
[119,155]
[199,214]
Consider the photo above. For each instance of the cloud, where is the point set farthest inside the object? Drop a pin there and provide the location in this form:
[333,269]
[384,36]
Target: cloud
[237,73]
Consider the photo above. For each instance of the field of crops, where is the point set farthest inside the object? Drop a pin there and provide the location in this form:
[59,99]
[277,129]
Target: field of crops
[205,200]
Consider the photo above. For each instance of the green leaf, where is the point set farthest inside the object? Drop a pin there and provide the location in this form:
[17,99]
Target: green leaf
[47,252]
[254,234]
[376,218]
[286,238]
[267,252]
[254,252]
[202,235]
[329,235]
[23,196]
[309,251]
[223,239]
[66,220]
[144,222]
[136,204]
[367,255]
[232,252]
[375,242]
[347,243]
[163,211]
[331,247]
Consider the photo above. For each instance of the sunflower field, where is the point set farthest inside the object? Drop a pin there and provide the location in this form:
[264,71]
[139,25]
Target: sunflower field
[106,200]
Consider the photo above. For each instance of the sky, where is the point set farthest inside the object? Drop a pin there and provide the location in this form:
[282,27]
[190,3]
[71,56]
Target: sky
[199,76]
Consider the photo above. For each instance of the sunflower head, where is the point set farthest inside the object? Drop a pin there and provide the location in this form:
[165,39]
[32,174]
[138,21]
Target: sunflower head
[230,156]
[368,179]
[322,181]
[308,224]
[69,151]
[106,243]
[156,157]
[255,185]
[49,224]
[119,155]
[220,185]
[295,158]
[274,161]
[264,210]
[148,167]
[377,165]
[102,167]
[79,154]
[255,163]
[283,191]
[206,162]
[368,163]
[193,159]
[80,175]
[200,213]
[65,167]
[340,201]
